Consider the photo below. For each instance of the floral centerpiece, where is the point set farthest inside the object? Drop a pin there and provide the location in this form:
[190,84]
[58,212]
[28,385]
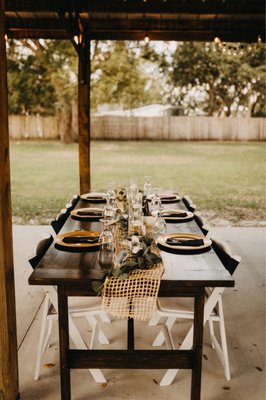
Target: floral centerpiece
[129,289]
[137,256]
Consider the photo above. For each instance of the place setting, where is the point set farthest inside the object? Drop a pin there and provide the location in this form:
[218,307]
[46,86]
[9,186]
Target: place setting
[174,215]
[78,241]
[164,197]
[87,214]
[184,243]
[94,197]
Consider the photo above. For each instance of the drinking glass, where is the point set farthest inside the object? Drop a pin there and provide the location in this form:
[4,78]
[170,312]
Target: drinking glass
[106,254]
[111,195]
[108,211]
[160,226]
[147,188]
[155,203]
[133,188]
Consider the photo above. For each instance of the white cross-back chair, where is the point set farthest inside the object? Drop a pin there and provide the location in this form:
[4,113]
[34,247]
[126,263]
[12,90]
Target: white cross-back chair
[88,307]
[189,203]
[61,218]
[182,308]
[202,224]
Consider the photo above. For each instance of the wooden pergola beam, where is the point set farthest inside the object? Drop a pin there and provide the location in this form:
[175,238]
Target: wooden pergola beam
[116,30]
[8,331]
[84,125]
[153,7]
[184,20]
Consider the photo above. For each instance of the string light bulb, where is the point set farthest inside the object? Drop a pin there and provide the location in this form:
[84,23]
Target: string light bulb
[146,39]
[217,40]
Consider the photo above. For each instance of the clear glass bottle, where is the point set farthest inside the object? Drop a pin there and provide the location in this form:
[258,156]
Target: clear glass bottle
[106,253]
[147,189]
[155,203]
[160,226]
[108,210]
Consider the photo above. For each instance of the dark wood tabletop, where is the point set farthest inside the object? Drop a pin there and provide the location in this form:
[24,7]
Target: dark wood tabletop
[61,267]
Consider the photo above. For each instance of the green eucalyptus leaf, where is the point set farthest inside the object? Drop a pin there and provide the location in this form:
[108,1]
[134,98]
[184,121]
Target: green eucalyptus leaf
[116,271]
[97,286]
[123,276]
[130,264]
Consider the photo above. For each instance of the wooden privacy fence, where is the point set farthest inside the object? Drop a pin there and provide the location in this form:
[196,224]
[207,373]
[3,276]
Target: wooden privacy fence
[146,128]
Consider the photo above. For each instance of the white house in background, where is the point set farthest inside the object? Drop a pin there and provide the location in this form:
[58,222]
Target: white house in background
[151,110]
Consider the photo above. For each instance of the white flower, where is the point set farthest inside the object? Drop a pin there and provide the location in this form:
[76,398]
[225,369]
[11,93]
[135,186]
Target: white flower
[135,239]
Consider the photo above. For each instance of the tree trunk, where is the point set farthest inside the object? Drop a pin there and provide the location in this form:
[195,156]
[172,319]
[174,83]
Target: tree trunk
[68,132]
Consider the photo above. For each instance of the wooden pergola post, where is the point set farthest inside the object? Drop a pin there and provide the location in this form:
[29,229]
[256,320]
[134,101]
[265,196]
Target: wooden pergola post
[8,333]
[84,115]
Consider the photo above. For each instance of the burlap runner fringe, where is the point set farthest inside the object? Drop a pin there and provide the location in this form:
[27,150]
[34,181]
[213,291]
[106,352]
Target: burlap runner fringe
[133,297]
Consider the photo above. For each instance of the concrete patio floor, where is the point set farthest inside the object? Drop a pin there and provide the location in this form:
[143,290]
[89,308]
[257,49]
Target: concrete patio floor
[244,307]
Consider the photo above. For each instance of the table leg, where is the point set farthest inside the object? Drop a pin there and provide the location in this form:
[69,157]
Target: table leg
[64,343]
[130,334]
[197,344]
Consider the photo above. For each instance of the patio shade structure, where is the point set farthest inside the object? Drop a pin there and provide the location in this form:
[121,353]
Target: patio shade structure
[81,21]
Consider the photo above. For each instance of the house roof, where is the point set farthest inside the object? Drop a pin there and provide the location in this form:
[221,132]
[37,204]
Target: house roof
[182,20]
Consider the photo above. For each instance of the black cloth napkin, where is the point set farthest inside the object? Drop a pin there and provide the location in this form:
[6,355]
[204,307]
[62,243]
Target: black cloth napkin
[185,242]
[95,197]
[80,239]
[167,198]
[90,213]
[174,214]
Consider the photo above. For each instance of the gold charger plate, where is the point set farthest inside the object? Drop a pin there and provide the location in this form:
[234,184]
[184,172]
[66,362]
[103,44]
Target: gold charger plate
[167,198]
[75,213]
[94,197]
[179,249]
[166,214]
[77,247]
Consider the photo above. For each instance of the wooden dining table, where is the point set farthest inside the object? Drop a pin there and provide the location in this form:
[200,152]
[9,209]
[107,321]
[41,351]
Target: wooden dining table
[184,276]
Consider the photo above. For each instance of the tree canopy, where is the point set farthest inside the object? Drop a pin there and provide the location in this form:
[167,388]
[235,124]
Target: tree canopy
[200,78]
[214,79]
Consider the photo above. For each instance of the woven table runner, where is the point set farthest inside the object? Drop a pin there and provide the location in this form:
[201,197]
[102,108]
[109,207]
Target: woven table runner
[135,296]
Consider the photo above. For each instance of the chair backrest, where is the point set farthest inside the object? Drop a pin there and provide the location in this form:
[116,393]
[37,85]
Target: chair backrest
[204,227]
[73,202]
[189,203]
[40,250]
[61,218]
[224,252]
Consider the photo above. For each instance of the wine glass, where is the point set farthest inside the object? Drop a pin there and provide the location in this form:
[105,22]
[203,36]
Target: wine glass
[160,226]
[108,211]
[156,203]
[106,254]
[111,195]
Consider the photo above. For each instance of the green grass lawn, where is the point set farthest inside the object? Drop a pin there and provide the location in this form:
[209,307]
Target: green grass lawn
[226,180]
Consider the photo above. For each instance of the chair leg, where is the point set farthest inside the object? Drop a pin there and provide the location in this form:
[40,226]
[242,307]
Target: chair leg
[105,317]
[171,373]
[159,340]
[211,329]
[222,350]
[80,344]
[97,332]
[41,339]
[46,343]
[154,320]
